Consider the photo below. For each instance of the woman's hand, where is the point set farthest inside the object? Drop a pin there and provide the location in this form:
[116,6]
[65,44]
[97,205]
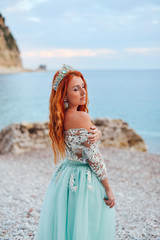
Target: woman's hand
[111,200]
[96,134]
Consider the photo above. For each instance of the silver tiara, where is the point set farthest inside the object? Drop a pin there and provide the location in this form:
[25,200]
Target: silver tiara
[62,73]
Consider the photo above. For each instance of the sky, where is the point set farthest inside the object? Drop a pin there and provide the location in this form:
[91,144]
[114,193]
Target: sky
[86,34]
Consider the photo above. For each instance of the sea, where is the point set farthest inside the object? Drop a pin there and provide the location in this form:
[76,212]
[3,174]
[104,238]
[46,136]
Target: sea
[130,95]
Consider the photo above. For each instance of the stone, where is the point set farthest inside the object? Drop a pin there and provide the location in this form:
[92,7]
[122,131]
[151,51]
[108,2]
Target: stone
[117,133]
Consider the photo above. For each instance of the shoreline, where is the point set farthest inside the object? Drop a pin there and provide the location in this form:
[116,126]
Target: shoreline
[11,70]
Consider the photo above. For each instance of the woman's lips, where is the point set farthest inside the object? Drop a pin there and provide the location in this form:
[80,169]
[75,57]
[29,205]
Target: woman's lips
[83,98]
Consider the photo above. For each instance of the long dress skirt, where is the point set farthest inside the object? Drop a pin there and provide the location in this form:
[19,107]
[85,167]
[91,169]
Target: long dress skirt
[73,207]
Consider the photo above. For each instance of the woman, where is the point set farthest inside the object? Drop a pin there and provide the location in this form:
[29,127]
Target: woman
[79,202]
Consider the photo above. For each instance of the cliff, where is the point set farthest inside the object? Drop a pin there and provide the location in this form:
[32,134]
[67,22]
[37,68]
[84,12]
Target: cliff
[9,52]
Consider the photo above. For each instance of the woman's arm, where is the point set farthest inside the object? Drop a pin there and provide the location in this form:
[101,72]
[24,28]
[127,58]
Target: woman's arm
[96,162]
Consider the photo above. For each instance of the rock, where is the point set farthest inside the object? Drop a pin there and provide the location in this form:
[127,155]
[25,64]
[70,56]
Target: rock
[22,137]
[18,138]
[117,133]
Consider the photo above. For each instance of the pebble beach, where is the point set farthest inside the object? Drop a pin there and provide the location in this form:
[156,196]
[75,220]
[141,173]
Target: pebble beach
[133,177]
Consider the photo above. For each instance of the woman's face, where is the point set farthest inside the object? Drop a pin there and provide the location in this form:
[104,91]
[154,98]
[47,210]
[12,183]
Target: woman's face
[76,93]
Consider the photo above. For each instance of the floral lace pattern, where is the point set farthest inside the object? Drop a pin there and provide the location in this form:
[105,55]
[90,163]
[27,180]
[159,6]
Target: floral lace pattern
[79,148]
[72,182]
[89,186]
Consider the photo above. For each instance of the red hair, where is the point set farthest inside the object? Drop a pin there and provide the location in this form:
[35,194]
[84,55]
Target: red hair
[57,110]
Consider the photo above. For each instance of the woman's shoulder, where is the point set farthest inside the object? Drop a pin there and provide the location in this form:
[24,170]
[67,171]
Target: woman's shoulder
[79,119]
[77,114]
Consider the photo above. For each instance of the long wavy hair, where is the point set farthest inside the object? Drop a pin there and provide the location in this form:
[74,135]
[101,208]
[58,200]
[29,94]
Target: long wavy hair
[57,110]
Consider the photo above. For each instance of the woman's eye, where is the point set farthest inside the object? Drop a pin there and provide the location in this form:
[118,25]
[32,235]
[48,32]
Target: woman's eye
[76,89]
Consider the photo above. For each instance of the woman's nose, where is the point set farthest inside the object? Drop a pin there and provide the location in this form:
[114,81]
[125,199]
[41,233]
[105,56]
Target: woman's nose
[83,91]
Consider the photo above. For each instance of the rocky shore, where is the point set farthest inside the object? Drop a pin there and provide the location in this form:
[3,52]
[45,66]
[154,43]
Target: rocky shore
[9,70]
[23,137]
[133,176]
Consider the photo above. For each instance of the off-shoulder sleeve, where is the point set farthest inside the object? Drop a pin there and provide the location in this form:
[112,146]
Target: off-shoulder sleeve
[95,159]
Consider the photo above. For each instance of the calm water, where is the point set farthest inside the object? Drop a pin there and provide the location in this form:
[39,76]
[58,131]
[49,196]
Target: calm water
[130,95]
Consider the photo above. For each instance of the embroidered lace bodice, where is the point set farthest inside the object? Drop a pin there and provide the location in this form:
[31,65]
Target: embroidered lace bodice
[79,148]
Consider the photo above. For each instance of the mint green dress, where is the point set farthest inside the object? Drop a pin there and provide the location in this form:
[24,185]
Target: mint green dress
[73,207]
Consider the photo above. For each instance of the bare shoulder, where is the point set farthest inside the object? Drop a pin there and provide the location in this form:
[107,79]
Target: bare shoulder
[79,119]
[85,117]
